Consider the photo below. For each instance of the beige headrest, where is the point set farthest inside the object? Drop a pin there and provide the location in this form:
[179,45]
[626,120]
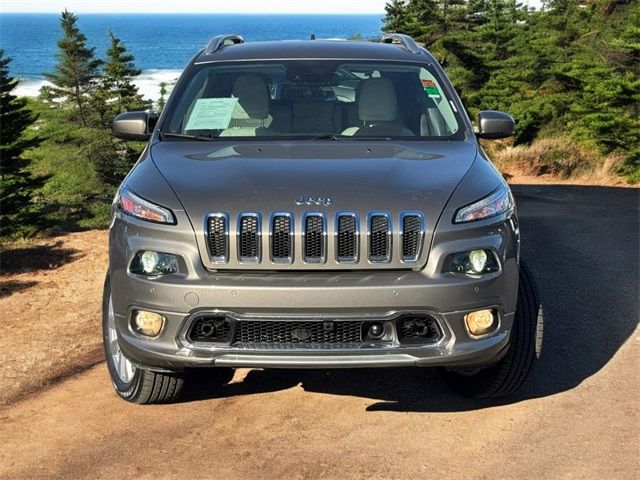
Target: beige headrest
[377,101]
[252,95]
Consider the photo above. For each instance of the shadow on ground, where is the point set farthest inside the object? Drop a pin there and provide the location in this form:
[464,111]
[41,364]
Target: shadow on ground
[34,258]
[582,245]
[10,287]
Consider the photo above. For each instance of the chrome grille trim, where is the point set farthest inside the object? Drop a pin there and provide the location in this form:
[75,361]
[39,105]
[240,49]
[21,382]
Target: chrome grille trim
[380,241]
[342,237]
[253,221]
[247,240]
[217,247]
[278,242]
[409,254]
[310,240]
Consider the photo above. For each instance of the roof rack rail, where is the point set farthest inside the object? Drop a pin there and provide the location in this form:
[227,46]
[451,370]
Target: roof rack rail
[400,39]
[220,41]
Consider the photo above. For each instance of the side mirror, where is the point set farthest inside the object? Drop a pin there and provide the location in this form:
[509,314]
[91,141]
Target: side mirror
[134,125]
[493,124]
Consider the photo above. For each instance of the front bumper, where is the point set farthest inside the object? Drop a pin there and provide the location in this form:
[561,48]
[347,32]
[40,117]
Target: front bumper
[318,295]
[451,350]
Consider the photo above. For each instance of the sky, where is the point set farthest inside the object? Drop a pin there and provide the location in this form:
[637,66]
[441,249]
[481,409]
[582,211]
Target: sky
[210,6]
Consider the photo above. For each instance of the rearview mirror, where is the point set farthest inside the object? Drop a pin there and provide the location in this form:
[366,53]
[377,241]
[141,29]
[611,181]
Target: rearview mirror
[493,124]
[134,125]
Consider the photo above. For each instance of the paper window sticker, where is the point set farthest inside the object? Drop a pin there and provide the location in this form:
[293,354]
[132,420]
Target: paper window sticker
[211,114]
[239,113]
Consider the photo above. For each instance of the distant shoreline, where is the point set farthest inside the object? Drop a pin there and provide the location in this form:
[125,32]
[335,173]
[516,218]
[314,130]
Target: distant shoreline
[228,14]
[161,41]
[148,83]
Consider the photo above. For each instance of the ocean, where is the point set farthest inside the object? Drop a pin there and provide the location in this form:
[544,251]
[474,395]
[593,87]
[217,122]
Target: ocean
[161,43]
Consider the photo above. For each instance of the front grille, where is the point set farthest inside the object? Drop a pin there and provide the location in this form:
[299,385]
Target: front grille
[382,241]
[412,232]
[218,238]
[281,239]
[380,238]
[347,245]
[314,239]
[249,238]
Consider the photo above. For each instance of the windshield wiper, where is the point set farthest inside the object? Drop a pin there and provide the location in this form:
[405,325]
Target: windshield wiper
[185,136]
[371,138]
[329,136]
[352,137]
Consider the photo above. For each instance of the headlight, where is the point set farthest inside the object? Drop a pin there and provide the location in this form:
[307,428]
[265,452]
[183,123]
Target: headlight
[473,262]
[143,209]
[498,202]
[150,263]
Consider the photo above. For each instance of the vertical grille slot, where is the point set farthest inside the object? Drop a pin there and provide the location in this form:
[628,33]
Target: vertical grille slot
[281,238]
[347,238]
[218,237]
[249,238]
[379,237]
[412,235]
[314,238]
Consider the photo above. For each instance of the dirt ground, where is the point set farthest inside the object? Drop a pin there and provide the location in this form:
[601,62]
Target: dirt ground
[578,416]
[311,425]
[50,294]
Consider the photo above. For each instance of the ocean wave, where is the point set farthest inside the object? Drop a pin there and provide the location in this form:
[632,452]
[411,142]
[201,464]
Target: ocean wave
[148,83]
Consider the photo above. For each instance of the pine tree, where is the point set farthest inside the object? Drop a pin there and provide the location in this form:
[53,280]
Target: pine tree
[163,96]
[115,92]
[119,72]
[395,19]
[77,69]
[571,69]
[607,109]
[17,185]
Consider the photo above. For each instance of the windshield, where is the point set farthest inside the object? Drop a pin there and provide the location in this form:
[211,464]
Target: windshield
[327,99]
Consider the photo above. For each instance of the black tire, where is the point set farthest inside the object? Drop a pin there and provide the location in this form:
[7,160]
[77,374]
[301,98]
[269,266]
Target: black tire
[144,387]
[508,375]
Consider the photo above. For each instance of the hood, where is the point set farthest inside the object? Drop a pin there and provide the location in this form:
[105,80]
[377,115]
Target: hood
[357,176]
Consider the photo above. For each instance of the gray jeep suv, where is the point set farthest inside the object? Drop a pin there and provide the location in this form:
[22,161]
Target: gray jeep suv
[315,204]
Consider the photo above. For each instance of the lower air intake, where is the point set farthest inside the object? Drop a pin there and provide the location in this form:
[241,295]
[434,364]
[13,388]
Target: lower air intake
[418,329]
[210,329]
[286,333]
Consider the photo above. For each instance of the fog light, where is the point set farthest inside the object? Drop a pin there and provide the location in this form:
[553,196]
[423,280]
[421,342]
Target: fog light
[480,322]
[148,323]
[478,259]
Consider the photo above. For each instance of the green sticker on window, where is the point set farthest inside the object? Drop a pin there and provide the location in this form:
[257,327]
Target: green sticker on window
[431,89]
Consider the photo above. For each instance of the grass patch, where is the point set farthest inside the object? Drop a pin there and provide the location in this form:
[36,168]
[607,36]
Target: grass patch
[557,157]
